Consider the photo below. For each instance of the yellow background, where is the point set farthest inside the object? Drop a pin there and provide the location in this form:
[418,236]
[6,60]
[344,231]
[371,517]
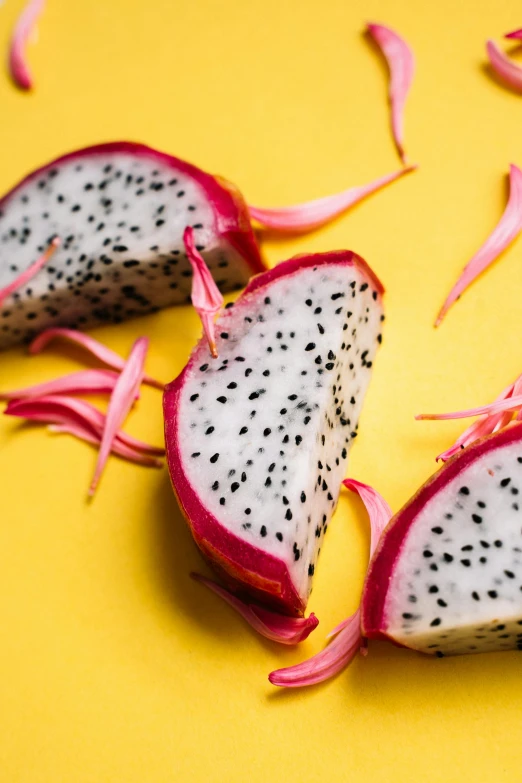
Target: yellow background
[114,666]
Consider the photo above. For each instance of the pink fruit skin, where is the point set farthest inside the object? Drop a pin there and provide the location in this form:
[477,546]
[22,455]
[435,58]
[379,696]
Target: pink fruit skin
[373,607]
[231,216]
[244,568]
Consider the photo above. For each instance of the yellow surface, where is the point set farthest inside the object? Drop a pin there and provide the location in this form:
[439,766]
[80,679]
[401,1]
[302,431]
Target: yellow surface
[114,666]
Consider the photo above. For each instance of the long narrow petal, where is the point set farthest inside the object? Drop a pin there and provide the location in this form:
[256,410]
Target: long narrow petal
[17,55]
[401,64]
[277,627]
[31,272]
[120,403]
[511,404]
[312,214]
[81,382]
[505,68]
[68,410]
[487,424]
[347,639]
[329,662]
[206,296]
[504,233]
[94,347]
[118,448]
[517,34]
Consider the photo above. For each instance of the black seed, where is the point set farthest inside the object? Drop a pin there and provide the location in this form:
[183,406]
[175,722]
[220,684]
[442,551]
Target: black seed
[243,430]
[464,491]
[222,399]
[476,518]
[222,501]
[268,481]
[466,563]
[475,595]
[509,574]
[215,485]
[436,621]
[263,528]
[298,439]
[505,482]
[407,615]
[194,397]
[232,385]
[214,458]
[427,553]
[279,536]
[288,514]
[448,558]
[336,296]
[224,335]
[243,476]
[234,486]
[204,367]
[492,593]
[209,431]
[267,432]
[196,454]
[433,589]
[441,602]
[303,497]
[310,347]
[498,543]
[437,530]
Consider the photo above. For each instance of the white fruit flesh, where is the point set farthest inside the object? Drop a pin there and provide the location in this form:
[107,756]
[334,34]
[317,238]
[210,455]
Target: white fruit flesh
[266,427]
[456,586]
[120,218]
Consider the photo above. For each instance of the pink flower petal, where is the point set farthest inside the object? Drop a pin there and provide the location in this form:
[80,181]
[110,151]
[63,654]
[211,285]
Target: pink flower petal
[486,425]
[401,64]
[17,56]
[82,382]
[517,34]
[347,635]
[120,403]
[329,662]
[505,232]
[118,448]
[312,214]
[206,296]
[31,272]
[70,411]
[94,347]
[510,404]
[505,68]
[277,627]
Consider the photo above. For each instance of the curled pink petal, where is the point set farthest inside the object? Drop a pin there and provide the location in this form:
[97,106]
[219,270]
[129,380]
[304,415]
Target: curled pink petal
[18,67]
[312,214]
[347,639]
[505,232]
[517,34]
[82,382]
[277,627]
[62,410]
[401,64]
[505,68]
[94,347]
[120,403]
[329,662]
[31,272]
[117,447]
[206,296]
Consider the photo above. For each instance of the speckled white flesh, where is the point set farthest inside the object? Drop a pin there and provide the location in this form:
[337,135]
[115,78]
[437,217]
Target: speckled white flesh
[266,428]
[457,584]
[120,219]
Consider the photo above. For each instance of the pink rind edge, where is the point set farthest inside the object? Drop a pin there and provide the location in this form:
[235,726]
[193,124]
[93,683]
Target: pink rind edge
[204,525]
[378,577]
[232,220]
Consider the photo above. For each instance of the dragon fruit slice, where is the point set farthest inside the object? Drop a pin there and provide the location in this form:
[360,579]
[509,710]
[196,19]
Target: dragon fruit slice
[257,440]
[447,577]
[120,210]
